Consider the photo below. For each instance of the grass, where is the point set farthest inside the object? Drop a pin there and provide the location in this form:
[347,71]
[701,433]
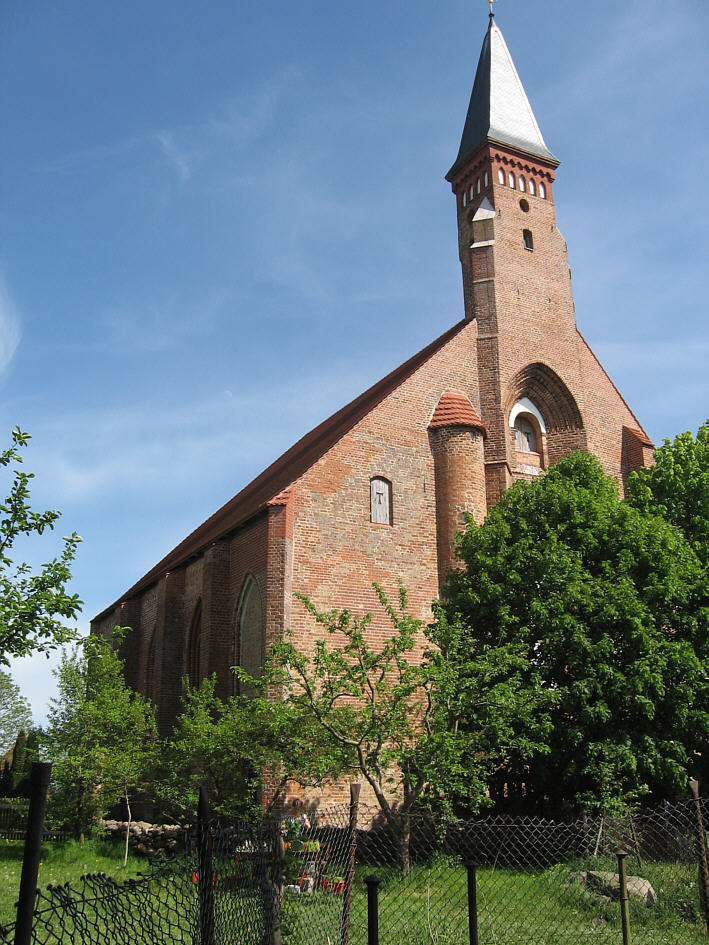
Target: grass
[60,863]
[427,907]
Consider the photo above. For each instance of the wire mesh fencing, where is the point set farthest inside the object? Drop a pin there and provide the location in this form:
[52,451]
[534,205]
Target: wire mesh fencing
[538,880]
[282,880]
[301,880]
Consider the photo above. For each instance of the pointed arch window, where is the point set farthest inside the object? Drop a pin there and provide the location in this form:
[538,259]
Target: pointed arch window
[522,184]
[380,503]
[194,646]
[486,179]
[250,644]
[150,665]
[532,187]
[512,182]
[501,175]
[542,191]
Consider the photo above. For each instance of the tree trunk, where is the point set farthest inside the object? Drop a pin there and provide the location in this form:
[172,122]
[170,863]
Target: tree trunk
[128,819]
[78,823]
[403,843]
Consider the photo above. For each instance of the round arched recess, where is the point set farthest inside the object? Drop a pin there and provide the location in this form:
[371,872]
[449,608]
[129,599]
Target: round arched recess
[536,385]
[249,630]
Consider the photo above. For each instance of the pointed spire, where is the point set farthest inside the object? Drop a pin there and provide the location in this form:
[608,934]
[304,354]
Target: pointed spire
[499,109]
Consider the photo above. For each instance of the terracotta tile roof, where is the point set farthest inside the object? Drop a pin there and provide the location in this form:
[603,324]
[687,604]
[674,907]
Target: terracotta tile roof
[639,435]
[455,410]
[285,470]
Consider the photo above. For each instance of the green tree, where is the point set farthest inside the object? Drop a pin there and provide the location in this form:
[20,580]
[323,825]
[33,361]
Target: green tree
[219,745]
[24,753]
[15,712]
[33,606]
[607,605]
[101,737]
[392,714]
[677,487]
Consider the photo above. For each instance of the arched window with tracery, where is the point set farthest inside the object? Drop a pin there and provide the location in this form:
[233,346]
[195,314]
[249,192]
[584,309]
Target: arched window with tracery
[250,643]
[194,646]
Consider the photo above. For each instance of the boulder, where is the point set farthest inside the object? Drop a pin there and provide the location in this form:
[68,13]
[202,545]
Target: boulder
[608,884]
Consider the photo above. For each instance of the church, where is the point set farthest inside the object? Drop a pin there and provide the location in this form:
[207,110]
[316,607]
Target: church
[378,491]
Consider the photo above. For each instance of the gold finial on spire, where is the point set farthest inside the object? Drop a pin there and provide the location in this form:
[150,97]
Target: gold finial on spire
[492,14]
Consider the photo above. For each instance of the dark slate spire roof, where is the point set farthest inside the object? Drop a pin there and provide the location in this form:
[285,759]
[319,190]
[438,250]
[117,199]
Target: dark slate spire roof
[499,109]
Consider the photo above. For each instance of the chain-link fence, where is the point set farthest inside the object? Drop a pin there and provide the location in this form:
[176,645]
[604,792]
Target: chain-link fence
[538,881]
[300,880]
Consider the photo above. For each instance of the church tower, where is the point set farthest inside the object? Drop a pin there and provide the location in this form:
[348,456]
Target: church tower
[516,279]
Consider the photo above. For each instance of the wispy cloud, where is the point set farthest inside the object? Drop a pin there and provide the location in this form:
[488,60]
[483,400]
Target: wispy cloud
[180,159]
[159,324]
[10,332]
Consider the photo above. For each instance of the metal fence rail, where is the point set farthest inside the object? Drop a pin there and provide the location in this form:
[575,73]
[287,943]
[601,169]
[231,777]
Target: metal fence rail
[290,882]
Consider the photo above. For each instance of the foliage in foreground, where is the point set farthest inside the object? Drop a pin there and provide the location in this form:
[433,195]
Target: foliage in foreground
[101,738]
[33,606]
[402,720]
[607,608]
[15,713]
[677,487]
[219,745]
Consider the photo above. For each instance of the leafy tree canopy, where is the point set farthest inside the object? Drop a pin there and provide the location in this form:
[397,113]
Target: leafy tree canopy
[33,606]
[606,605]
[220,745]
[677,487]
[15,713]
[101,738]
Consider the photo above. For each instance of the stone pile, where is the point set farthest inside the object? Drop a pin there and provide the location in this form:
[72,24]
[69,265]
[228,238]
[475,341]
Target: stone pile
[156,840]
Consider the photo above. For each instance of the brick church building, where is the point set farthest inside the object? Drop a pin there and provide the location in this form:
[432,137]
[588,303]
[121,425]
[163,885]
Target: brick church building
[378,491]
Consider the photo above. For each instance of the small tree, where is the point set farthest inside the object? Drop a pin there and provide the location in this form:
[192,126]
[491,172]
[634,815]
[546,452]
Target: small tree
[219,745]
[33,606]
[390,713]
[15,713]
[101,737]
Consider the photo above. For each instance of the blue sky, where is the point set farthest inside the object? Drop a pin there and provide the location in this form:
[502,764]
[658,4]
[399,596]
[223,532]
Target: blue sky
[221,222]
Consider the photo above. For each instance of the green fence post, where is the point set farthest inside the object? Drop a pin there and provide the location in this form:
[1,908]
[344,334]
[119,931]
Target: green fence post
[624,907]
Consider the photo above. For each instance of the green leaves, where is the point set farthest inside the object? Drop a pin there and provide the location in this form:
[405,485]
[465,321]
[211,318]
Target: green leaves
[102,737]
[600,604]
[677,487]
[33,606]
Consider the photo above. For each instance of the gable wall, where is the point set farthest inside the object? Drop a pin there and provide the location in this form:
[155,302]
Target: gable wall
[337,551]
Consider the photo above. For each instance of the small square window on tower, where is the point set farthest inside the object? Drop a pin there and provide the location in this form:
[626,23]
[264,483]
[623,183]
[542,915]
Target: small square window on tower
[380,501]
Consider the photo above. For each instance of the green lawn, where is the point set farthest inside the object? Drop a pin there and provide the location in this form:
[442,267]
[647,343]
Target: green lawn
[60,863]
